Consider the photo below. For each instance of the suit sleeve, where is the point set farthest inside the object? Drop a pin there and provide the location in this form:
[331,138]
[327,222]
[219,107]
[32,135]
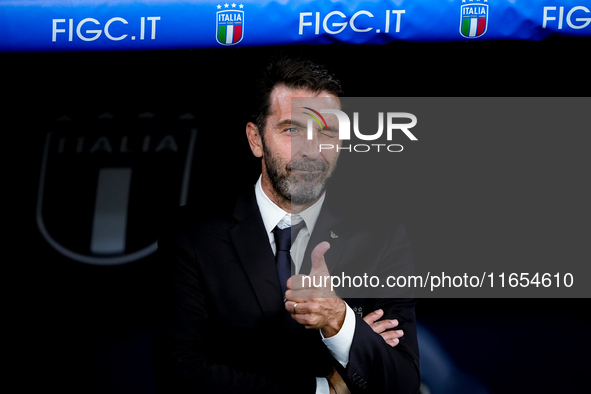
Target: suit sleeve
[185,357]
[374,366]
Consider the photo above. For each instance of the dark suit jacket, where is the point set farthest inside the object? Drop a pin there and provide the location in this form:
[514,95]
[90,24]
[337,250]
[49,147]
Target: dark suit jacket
[221,326]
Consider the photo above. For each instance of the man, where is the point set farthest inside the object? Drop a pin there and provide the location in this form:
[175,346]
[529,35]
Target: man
[233,320]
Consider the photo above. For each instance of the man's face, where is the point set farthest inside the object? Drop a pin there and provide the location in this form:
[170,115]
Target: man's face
[297,169]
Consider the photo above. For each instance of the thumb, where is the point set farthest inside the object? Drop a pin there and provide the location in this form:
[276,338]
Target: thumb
[318,263]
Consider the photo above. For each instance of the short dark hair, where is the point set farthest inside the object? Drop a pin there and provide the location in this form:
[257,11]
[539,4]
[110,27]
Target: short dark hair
[293,73]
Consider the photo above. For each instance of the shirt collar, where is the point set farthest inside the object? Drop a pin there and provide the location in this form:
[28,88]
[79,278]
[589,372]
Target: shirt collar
[272,214]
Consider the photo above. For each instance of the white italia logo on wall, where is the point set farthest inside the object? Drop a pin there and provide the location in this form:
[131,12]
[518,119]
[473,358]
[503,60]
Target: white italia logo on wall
[229,23]
[473,18]
[102,188]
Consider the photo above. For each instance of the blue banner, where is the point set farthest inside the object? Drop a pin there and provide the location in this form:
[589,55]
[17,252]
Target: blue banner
[93,25]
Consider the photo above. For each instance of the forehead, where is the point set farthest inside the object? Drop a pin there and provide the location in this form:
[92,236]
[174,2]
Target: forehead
[281,100]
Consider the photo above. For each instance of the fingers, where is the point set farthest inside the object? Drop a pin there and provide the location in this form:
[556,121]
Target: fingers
[317,283]
[305,286]
[289,306]
[318,268]
[318,263]
[303,307]
[304,313]
[297,282]
[373,316]
[382,325]
[318,313]
[392,337]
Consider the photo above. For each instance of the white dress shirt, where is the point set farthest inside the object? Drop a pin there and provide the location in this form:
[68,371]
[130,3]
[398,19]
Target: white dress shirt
[339,345]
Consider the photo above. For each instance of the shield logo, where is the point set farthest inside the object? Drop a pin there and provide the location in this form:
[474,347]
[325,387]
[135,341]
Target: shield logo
[473,20]
[102,190]
[229,27]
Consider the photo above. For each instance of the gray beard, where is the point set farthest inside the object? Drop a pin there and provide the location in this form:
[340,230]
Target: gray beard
[302,189]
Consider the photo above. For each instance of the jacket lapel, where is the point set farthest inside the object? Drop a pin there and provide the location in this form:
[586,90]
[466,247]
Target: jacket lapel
[329,227]
[251,243]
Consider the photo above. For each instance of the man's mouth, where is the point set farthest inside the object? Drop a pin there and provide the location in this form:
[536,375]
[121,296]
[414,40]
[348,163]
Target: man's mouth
[308,167]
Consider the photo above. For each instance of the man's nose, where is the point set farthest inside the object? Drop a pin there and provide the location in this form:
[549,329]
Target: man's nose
[310,147]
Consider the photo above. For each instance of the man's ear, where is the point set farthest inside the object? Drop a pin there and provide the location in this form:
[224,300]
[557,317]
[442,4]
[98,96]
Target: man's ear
[254,139]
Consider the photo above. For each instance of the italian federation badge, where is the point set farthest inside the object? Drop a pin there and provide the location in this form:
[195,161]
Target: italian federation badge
[229,24]
[103,188]
[473,18]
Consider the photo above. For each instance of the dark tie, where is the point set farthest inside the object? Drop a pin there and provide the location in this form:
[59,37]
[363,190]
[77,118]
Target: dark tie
[283,241]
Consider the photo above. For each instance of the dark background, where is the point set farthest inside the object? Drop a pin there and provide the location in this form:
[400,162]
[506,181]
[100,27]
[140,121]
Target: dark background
[81,328]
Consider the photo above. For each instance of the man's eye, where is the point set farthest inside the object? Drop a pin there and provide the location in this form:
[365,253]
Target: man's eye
[329,133]
[291,130]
